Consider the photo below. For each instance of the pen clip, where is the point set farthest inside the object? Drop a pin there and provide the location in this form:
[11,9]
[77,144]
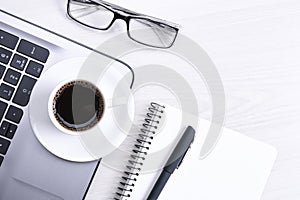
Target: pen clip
[183,156]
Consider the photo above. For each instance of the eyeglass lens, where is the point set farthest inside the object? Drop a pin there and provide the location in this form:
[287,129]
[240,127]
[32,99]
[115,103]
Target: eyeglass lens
[91,14]
[151,33]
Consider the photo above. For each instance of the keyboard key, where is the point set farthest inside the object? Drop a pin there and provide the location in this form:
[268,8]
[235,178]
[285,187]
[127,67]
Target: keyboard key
[4,127]
[34,51]
[8,40]
[2,70]
[24,91]
[6,91]
[1,160]
[3,107]
[12,77]
[4,144]
[14,114]
[5,55]
[34,69]
[18,62]
[11,131]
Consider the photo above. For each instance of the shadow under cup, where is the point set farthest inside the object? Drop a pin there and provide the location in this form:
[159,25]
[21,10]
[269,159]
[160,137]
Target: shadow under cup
[78,105]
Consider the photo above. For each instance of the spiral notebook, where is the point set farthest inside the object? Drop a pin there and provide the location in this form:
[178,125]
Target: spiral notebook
[130,172]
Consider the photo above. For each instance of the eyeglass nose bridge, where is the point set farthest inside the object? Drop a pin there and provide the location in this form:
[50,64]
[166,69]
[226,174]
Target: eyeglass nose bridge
[122,17]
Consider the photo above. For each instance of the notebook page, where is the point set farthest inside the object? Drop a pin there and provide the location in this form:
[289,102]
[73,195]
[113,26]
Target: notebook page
[238,168]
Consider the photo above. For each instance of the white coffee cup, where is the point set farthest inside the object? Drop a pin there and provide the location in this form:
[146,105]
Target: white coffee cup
[90,144]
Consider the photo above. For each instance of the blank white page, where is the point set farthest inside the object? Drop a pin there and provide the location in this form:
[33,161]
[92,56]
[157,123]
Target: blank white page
[238,168]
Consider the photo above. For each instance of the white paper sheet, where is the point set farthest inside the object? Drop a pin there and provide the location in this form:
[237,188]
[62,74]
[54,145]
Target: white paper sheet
[238,168]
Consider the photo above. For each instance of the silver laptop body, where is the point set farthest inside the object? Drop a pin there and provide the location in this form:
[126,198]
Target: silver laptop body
[28,171]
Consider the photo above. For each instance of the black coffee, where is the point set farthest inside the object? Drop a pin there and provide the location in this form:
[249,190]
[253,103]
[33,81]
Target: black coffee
[78,105]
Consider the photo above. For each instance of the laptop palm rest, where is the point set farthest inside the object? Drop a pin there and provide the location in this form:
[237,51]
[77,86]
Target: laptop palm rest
[29,191]
[35,173]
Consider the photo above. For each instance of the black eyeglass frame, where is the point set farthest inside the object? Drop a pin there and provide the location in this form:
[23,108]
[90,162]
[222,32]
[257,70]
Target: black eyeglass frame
[115,9]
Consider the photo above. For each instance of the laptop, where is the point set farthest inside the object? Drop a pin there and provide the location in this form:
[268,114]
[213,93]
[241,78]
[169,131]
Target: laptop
[27,169]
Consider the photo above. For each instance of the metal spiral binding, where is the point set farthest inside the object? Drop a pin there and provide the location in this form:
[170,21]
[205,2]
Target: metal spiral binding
[139,151]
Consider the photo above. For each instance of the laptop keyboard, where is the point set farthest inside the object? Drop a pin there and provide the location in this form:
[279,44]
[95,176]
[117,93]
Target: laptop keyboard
[21,64]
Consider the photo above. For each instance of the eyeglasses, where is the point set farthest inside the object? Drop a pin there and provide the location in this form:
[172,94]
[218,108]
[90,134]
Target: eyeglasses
[100,15]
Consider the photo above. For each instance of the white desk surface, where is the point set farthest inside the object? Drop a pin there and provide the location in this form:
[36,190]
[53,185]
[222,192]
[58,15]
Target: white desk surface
[256,47]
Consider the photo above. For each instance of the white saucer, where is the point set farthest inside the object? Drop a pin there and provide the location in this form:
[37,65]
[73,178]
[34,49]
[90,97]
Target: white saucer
[96,142]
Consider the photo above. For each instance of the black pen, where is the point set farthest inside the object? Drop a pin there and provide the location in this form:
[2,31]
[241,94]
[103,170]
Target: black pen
[173,162]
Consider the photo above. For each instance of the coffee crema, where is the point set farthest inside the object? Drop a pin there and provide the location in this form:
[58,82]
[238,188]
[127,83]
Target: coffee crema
[78,105]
